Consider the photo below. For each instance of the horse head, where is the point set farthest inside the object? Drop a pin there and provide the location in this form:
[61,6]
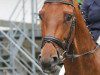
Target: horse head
[56,18]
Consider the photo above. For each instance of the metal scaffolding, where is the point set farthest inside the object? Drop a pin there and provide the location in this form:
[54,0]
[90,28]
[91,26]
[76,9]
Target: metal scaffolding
[14,57]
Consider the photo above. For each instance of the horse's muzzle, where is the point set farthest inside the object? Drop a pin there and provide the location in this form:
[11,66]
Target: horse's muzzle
[48,65]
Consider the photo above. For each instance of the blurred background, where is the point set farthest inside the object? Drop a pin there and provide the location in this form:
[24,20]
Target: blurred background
[20,37]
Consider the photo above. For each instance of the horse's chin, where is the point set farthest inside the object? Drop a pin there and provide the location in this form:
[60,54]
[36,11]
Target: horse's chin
[51,70]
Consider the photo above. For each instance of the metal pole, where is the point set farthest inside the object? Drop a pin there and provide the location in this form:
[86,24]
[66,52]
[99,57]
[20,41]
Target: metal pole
[33,11]
[12,56]
[21,50]
[1,54]
[24,26]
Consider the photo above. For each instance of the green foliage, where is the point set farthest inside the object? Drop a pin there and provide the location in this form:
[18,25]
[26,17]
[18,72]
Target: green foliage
[80,1]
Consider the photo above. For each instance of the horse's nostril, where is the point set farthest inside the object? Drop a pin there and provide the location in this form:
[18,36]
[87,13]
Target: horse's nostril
[55,59]
[39,57]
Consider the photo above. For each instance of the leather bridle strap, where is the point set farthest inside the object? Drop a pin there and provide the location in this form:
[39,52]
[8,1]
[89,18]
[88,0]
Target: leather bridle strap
[51,39]
[82,54]
[69,41]
[60,1]
[66,3]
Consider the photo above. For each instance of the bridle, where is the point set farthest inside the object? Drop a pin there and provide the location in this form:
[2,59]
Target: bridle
[65,45]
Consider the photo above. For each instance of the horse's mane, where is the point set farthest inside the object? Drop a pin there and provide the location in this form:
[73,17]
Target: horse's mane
[83,38]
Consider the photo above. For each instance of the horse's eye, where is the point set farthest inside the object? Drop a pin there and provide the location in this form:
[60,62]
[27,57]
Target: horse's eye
[41,13]
[40,16]
[68,17]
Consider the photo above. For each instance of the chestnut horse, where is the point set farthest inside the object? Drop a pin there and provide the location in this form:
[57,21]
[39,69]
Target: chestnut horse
[65,33]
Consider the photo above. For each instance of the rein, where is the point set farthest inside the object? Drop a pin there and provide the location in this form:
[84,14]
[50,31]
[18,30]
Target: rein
[66,45]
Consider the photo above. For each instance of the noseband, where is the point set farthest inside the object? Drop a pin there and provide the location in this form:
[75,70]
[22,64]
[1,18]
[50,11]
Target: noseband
[65,45]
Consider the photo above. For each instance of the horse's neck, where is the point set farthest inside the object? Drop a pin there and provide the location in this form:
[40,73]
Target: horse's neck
[83,39]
